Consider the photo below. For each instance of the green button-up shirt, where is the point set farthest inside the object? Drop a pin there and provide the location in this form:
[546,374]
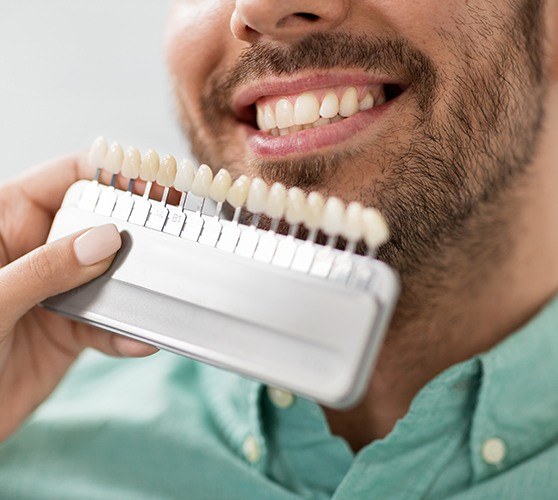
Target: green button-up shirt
[167,427]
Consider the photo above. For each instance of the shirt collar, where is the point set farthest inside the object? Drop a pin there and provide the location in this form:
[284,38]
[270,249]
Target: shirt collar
[518,401]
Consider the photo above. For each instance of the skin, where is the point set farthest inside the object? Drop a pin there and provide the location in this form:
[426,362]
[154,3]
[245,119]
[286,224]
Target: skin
[462,166]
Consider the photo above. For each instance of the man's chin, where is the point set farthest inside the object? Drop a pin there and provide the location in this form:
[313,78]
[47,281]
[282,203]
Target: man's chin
[308,173]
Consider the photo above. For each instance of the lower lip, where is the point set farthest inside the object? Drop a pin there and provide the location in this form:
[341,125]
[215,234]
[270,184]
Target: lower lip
[264,144]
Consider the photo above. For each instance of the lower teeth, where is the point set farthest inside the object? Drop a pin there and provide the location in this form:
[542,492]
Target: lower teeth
[276,132]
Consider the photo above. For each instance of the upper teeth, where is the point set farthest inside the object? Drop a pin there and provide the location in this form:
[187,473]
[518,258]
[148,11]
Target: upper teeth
[314,109]
[330,105]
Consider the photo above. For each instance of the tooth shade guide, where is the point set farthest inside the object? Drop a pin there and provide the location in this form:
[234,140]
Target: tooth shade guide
[113,160]
[185,174]
[262,247]
[237,214]
[166,174]
[147,189]
[334,238]
[293,230]
[255,221]
[97,154]
[220,186]
[165,196]
[224,288]
[332,241]
[312,236]
[202,273]
[149,167]
[202,181]
[256,203]
[351,246]
[257,196]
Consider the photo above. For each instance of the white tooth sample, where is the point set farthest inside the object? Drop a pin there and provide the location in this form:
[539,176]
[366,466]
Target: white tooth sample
[374,228]
[352,224]
[330,105]
[184,176]
[314,208]
[367,102]
[220,186]
[257,196]
[296,206]
[239,191]
[167,171]
[131,164]
[333,216]
[98,152]
[276,201]
[149,166]
[269,118]
[284,113]
[114,158]
[260,118]
[306,109]
[349,103]
[202,181]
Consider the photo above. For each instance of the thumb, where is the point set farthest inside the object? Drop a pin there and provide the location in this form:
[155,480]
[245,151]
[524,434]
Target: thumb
[55,268]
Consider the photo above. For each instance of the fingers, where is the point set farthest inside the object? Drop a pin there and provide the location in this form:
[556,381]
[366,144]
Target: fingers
[47,183]
[55,268]
[110,343]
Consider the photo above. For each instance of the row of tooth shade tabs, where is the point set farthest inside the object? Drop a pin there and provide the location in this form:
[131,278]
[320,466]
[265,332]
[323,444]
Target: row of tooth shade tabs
[353,222]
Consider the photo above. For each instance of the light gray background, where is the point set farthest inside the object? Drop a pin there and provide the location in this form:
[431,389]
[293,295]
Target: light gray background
[73,69]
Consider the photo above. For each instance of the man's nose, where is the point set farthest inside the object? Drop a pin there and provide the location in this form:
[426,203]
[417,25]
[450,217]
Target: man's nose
[253,20]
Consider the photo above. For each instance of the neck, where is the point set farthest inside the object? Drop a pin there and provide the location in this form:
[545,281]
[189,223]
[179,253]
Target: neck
[470,296]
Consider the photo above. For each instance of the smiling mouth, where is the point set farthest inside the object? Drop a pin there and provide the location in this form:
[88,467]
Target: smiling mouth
[280,116]
[283,118]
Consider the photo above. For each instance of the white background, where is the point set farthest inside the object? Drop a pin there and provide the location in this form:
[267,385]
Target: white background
[73,69]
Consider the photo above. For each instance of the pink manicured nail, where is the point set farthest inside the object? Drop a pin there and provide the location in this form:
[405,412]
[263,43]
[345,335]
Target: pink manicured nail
[97,244]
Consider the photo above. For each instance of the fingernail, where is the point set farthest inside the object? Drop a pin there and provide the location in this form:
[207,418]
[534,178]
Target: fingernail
[97,244]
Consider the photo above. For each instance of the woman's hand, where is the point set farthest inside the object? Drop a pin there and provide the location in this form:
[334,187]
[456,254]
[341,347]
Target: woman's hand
[37,347]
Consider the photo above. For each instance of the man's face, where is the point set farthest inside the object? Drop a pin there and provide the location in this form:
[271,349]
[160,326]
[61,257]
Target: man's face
[458,89]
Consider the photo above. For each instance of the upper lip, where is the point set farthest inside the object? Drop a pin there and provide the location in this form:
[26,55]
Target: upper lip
[246,96]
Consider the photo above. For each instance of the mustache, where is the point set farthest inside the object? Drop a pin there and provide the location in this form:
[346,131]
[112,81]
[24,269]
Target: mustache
[323,51]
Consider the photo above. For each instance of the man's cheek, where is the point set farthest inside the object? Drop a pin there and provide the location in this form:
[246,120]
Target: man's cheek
[196,42]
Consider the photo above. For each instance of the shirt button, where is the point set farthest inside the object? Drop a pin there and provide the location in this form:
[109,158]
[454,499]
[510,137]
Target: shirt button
[280,398]
[493,451]
[251,449]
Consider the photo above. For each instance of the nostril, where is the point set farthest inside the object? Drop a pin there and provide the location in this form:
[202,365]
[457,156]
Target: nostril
[298,20]
[307,16]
